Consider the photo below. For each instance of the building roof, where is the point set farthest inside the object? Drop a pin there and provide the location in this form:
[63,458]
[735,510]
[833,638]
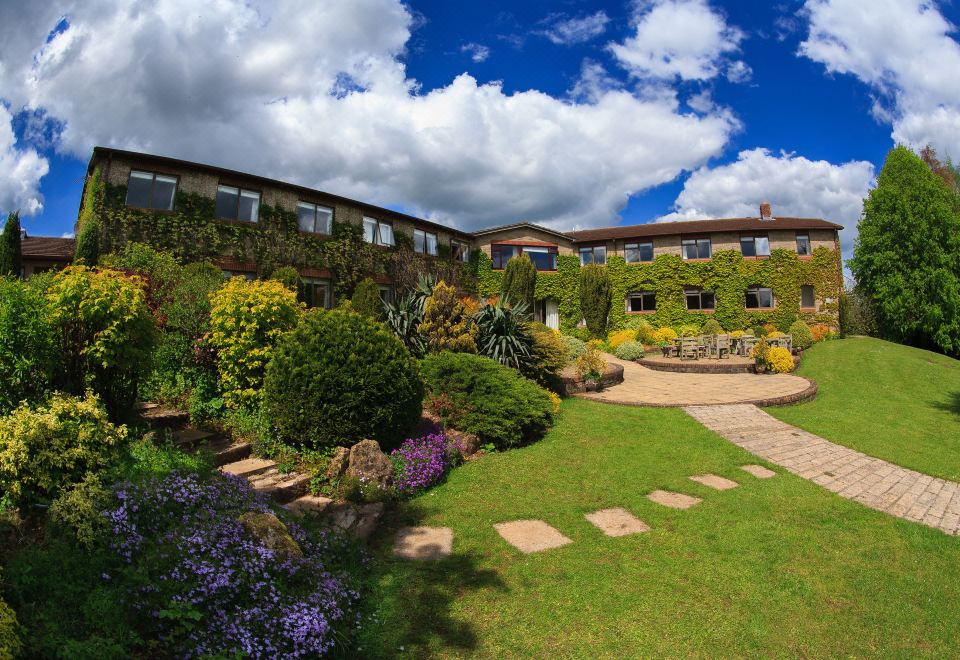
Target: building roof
[47,247]
[697,227]
[275,183]
[521,225]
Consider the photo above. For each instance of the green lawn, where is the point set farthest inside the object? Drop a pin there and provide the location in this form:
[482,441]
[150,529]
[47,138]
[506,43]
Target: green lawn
[894,402]
[774,567]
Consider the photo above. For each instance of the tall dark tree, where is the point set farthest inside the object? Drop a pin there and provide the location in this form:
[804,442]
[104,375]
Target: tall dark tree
[907,256]
[595,298]
[11,252]
[87,252]
[520,281]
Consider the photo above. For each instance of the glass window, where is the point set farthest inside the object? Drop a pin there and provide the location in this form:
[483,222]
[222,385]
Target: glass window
[314,218]
[696,248]
[424,242]
[386,293]
[543,258]
[432,244]
[459,250]
[238,204]
[803,245]
[755,246]
[316,293]
[147,190]
[759,298]
[808,298]
[763,246]
[377,232]
[637,252]
[642,301]
[502,254]
[698,299]
[596,254]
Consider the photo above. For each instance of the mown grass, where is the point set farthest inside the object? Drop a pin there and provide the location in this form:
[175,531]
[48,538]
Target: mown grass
[774,567]
[894,402]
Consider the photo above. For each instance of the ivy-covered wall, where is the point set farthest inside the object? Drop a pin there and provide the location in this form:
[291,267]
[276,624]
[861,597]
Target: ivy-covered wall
[728,274]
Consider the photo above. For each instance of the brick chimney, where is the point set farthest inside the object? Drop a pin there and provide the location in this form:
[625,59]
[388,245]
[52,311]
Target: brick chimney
[765,213]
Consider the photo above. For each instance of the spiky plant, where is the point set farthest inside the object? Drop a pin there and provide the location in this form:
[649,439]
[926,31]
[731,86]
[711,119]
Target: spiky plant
[501,333]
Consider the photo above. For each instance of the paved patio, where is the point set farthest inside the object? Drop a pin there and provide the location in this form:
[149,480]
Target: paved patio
[646,387]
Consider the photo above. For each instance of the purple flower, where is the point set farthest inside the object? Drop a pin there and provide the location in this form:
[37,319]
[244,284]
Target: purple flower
[421,462]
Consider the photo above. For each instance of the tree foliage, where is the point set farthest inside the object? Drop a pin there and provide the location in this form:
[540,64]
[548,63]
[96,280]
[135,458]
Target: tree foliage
[11,253]
[366,299]
[445,326]
[595,298]
[350,259]
[520,281]
[907,256]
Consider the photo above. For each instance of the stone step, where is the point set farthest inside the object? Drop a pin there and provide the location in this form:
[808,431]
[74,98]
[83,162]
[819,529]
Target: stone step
[312,504]
[164,417]
[191,437]
[281,488]
[248,467]
[227,451]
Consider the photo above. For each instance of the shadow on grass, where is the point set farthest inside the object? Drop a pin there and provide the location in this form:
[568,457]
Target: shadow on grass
[951,405]
[414,599]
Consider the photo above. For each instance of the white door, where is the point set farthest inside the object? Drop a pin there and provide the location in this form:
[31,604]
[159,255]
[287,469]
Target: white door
[553,315]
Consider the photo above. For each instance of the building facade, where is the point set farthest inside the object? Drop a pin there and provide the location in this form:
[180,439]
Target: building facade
[741,271]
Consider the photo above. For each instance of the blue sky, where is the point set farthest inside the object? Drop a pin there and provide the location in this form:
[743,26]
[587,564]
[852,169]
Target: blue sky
[572,113]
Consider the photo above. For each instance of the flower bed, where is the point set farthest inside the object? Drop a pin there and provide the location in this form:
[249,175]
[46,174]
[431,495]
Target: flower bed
[422,462]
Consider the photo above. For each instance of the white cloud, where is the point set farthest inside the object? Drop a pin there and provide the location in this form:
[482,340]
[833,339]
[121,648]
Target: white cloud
[593,82]
[904,50]
[739,72]
[795,187]
[20,172]
[249,85]
[478,52]
[677,38]
[565,31]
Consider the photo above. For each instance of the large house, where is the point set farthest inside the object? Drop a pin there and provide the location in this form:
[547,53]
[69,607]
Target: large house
[742,270]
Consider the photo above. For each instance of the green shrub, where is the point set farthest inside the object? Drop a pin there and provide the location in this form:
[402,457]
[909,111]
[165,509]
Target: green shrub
[629,350]
[104,334]
[11,251]
[246,320]
[445,326]
[366,299]
[802,337]
[189,309]
[159,272]
[78,510]
[591,366]
[689,330]
[575,347]
[27,357]
[580,333]
[486,398]
[548,356]
[519,281]
[87,251]
[339,378]
[711,327]
[595,300]
[45,449]
[502,335]
[10,644]
[759,331]
[287,276]
[645,331]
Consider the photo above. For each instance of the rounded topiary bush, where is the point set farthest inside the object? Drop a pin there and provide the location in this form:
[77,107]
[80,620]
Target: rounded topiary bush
[478,395]
[711,327]
[338,378]
[802,337]
[575,347]
[629,350]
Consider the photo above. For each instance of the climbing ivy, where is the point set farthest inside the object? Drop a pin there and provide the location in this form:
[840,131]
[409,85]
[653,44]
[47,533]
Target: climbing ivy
[728,274]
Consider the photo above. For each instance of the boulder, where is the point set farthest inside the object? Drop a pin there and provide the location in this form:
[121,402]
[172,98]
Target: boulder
[357,520]
[468,443]
[272,534]
[338,463]
[368,463]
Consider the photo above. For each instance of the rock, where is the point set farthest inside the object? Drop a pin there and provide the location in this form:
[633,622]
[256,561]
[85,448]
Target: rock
[358,520]
[272,534]
[368,463]
[338,463]
[468,443]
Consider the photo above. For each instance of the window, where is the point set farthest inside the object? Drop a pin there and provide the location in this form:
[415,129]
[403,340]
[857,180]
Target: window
[148,190]
[459,250]
[240,273]
[593,255]
[637,252]
[808,299]
[316,293]
[803,245]
[314,218]
[424,242]
[755,246]
[642,301]
[386,293]
[377,232]
[543,257]
[238,204]
[759,297]
[698,299]
[696,248]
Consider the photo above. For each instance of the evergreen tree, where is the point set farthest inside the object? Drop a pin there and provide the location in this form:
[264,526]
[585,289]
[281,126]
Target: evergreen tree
[445,325]
[595,300]
[88,243]
[907,256]
[366,299]
[11,254]
[520,281]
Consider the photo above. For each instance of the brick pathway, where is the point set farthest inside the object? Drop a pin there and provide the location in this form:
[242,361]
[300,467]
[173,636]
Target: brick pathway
[646,387]
[872,482]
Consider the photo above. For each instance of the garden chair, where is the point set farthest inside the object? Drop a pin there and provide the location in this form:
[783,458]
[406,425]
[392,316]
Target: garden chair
[747,343]
[721,344]
[788,342]
[689,348]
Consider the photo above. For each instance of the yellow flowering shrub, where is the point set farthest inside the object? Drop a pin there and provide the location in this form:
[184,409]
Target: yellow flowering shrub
[554,401]
[590,365]
[614,339]
[780,360]
[664,334]
[736,334]
[10,644]
[43,450]
[776,334]
[246,321]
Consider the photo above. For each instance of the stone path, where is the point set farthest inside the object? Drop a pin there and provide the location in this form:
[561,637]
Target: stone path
[646,387]
[870,481]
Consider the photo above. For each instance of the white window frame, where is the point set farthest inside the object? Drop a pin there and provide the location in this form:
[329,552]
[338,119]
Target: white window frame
[757,290]
[464,250]
[377,234]
[426,245]
[316,208]
[592,251]
[168,178]
[241,193]
[636,246]
[809,250]
[696,243]
[640,295]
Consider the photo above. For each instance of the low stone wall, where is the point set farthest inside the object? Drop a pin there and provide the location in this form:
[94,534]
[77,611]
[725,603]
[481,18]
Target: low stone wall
[573,384]
[674,365]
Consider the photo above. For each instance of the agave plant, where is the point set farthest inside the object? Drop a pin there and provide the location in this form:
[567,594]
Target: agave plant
[502,334]
[403,318]
[423,290]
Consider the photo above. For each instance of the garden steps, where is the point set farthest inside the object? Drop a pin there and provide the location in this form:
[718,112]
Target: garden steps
[163,417]
[248,467]
[281,487]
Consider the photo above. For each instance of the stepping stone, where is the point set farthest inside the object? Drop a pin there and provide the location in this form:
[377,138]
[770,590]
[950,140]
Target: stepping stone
[715,482]
[191,436]
[248,467]
[314,504]
[758,471]
[673,500]
[429,543]
[617,522]
[531,535]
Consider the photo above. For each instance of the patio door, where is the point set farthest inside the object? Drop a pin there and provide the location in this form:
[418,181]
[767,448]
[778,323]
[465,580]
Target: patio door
[552,314]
